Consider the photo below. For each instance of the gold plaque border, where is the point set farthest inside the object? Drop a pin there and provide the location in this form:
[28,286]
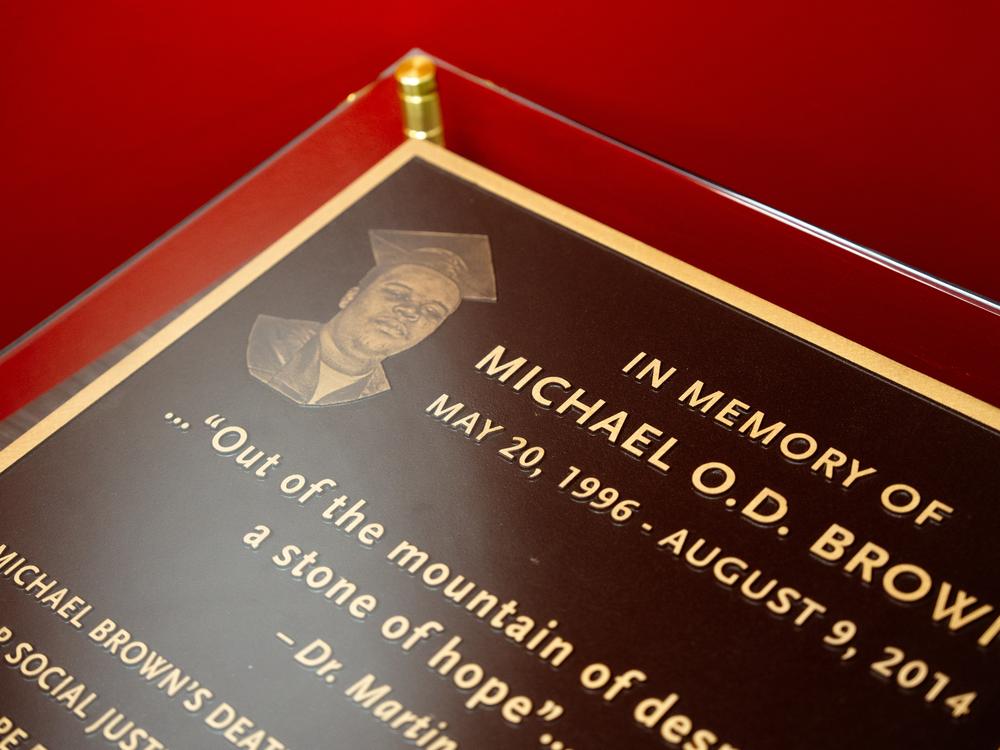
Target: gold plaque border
[887,368]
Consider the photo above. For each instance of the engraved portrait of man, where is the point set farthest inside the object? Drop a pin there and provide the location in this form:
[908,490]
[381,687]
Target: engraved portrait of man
[419,279]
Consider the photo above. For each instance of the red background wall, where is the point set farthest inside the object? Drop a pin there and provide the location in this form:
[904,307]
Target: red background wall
[876,121]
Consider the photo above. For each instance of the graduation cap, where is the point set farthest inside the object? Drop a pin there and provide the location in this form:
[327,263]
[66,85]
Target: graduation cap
[466,259]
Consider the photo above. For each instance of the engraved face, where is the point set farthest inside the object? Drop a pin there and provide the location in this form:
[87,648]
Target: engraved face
[396,310]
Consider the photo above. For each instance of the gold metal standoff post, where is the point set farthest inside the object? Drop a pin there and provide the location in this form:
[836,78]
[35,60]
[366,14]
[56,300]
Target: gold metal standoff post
[416,82]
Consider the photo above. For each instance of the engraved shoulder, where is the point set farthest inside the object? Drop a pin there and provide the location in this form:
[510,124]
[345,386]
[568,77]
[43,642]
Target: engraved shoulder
[274,341]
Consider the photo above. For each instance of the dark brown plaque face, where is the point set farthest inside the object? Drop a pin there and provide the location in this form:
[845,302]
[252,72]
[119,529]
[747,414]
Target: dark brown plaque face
[450,466]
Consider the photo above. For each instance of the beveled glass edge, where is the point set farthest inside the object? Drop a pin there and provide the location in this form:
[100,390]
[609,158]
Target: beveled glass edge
[192,217]
[875,256]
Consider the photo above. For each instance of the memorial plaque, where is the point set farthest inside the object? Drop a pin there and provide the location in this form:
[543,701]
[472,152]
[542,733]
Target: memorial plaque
[450,466]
